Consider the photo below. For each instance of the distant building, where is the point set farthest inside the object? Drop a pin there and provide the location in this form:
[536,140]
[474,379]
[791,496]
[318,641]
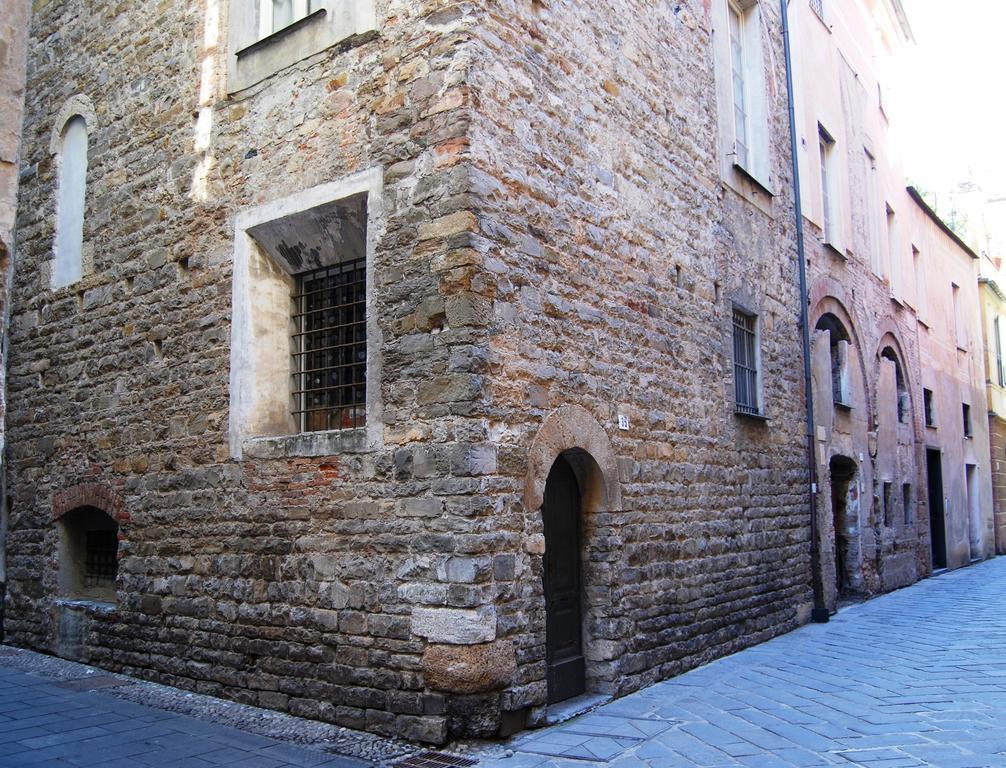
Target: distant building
[904,480]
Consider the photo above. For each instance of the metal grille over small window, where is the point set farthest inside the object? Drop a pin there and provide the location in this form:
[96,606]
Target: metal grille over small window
[100,558]
[745,363]
[818,7]
[330,364]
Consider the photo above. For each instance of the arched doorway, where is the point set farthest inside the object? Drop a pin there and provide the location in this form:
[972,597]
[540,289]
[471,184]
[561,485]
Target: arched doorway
[845,513]
[561,512]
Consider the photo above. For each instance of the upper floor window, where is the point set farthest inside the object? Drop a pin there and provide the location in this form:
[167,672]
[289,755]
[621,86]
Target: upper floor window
[70,188]
[274,15]
[818,7]
[740,82]
[255,52]
[746,379]
[929,407]
[1000,371]
[829,191]
[966,415]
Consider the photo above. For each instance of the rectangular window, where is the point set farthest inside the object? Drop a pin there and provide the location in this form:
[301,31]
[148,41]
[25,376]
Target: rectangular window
[818,7]
[908,502]
[1001,373]
[966,411]
[277,14]
[920,284]
[829,219]
[746,362]
[887,501]
[872,213]
[927,404]
[738,72]
[955,291]
[893,254]
[330,361]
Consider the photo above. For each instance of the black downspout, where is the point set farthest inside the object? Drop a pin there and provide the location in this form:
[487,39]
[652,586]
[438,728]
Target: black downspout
[819,613]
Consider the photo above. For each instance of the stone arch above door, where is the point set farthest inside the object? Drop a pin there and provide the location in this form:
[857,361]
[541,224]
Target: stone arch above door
[572,431]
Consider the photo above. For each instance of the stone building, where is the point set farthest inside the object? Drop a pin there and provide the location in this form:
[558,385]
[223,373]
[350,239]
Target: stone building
[878,258]
[992,299]
[407,364]
[13,44]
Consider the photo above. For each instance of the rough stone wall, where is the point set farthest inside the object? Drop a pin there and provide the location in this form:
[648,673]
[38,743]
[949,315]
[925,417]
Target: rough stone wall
[555,233]
[13,56]
[613,254]
[289,582]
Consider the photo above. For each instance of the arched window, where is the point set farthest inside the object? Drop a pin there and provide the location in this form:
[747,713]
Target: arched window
[839,342]
[72,180]
[88,554]
[899,378]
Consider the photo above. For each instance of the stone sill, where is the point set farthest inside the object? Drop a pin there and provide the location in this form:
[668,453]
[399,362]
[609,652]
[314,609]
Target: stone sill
[843,406]
[753,179]
[308,444]
[757,417]
[834,250]
[279,34]
[87,605]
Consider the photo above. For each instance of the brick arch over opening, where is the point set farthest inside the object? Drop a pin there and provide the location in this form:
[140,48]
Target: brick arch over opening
[95,495]
[572,431]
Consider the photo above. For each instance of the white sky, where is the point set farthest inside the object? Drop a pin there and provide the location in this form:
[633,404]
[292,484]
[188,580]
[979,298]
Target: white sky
[953,100]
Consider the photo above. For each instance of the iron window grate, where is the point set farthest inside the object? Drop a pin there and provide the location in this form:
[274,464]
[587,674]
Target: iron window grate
[745,363]
[818,7]
[101,560]
[330,361]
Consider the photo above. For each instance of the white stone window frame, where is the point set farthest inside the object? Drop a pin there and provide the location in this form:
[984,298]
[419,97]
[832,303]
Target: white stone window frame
[756,167]
[77,106]
[254,55]
[260,340]
[832,211]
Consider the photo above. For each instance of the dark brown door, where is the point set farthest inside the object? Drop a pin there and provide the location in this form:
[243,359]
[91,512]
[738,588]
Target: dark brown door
[563,644]
[937,518]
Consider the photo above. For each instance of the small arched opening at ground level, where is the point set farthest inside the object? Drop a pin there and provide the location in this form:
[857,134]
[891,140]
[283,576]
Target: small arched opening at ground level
[845,506]
[88,555]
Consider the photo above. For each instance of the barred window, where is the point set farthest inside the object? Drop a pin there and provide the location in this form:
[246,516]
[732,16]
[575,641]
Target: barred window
[745,362]
[330,343]
[100,558]
[818,7]
[88,554]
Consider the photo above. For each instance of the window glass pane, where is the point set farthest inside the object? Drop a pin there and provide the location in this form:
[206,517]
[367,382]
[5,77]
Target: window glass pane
[282,14]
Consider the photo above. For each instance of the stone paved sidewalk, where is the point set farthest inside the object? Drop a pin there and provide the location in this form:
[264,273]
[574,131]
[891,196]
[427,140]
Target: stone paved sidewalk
[914,678]
[48,721]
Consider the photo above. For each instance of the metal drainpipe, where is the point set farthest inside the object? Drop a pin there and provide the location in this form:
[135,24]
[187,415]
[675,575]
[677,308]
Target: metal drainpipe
[819,613]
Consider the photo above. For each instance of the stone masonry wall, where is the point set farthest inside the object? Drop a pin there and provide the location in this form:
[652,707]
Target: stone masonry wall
[13,54]
[555,235]
[289,583]
[613,253]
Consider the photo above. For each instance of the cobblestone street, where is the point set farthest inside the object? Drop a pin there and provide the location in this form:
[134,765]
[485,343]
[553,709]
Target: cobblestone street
[913,678]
